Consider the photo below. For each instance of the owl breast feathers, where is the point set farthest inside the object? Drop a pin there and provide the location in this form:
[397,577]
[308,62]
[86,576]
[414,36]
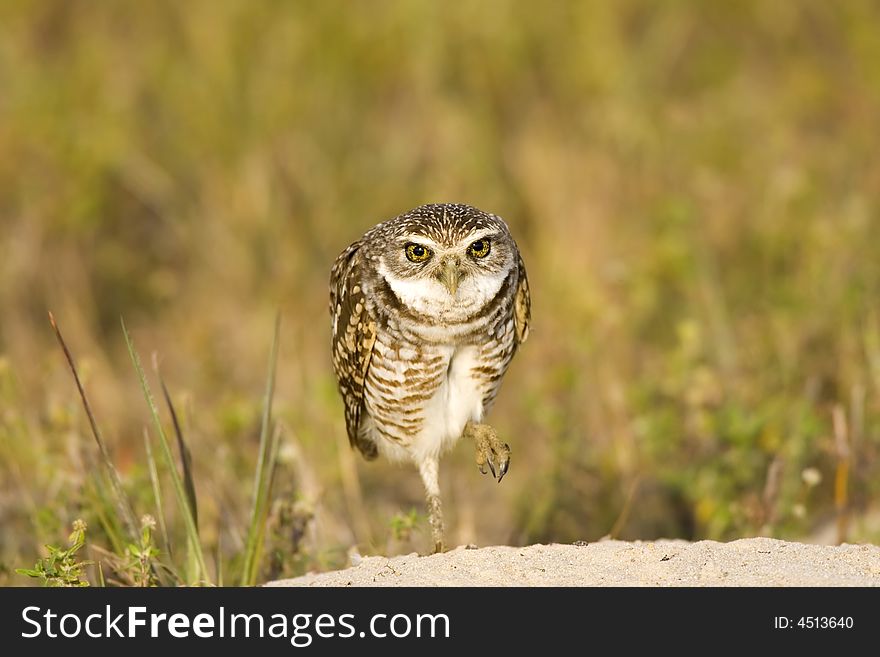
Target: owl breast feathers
[427,311]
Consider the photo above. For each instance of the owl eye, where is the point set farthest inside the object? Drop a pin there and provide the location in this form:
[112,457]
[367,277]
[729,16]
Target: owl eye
[417,252]
[480,248]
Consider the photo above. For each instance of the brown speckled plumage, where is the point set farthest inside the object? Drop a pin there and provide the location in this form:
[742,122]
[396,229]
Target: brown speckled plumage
[411,355]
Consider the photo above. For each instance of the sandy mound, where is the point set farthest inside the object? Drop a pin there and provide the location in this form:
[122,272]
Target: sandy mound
[747,562]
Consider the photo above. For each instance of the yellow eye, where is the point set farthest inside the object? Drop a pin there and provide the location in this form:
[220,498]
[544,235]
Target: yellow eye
[417,252]
[480,248]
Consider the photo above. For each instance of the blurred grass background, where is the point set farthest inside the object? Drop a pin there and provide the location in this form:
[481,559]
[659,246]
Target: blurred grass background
[694,187]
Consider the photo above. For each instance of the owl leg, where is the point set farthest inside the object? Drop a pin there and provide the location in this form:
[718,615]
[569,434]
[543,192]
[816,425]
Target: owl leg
[490,450]
[429,470]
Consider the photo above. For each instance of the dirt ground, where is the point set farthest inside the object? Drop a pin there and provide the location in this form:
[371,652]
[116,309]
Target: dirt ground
[746,562]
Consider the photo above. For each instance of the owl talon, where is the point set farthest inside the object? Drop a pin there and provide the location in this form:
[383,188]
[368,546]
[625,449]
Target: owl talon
[504,464]
[489,450]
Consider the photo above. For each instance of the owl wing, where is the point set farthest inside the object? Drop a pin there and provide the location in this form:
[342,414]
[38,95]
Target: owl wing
[353,337]
[522,305]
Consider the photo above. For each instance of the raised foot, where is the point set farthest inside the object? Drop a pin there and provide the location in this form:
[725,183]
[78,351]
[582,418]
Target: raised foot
[489,449]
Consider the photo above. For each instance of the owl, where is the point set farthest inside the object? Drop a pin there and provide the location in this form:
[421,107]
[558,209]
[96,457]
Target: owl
[427,310]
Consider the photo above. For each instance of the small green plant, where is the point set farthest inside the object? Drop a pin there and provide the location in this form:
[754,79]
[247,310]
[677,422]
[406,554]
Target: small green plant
[141,555]
[404,524]
[61,567]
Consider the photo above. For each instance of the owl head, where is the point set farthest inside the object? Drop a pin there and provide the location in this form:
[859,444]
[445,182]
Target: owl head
[444,260]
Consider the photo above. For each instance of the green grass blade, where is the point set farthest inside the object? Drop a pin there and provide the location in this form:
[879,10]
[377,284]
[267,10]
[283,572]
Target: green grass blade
[179,491]
[185,466]
[96,493]
[263,474]
[218,561]
[157,493]
[161,573]
[274,449]
[123,505]
[185,455]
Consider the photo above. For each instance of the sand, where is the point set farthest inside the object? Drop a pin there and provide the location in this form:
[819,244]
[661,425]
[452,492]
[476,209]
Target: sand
[746,562]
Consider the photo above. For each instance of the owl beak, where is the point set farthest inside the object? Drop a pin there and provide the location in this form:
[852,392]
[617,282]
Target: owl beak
[450,275]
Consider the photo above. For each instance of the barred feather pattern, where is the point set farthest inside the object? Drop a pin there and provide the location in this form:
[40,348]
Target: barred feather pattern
[410,378]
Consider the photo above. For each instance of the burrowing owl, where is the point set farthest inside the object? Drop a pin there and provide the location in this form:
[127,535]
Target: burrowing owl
[427,311]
